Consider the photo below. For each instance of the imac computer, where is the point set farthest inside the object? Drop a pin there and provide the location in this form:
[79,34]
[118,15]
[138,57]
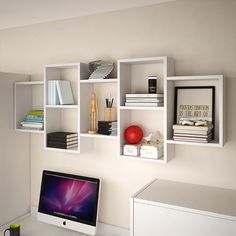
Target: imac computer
[69,201]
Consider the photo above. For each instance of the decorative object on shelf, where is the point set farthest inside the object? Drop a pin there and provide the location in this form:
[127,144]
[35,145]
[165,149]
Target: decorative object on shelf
[152,146]
[34,120]
[63,140]
[131,150]
[107,127]
[153,138]
[195,109]
[60,92]
[109,111]
[152,84]
[145,100]
[100,69]
[194,103]
[93,114]
[133,134]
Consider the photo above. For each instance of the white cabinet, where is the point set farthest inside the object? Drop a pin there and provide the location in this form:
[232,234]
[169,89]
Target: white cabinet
[169,208]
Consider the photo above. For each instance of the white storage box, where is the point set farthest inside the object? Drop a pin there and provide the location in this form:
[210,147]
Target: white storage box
[131,150]
[151,151]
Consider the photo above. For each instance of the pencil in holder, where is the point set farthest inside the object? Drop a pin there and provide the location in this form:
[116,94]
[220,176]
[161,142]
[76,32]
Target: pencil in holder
[109,114]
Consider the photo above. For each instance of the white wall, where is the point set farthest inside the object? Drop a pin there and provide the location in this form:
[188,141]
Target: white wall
[14,156]
[199,35]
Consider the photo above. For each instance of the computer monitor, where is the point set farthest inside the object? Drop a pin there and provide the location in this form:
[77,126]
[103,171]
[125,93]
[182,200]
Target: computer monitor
[69,201]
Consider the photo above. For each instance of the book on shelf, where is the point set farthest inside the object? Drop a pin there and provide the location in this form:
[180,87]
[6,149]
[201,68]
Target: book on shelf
[36,112]
[196,132]
[31,124]
[62,139]
[192,135]
[191,140]
[144,104]
[60,92]
[32,117]
[61,134]
[65,92]
[31,128]
[193,127]
[59,142]
[144,99]
[107,124]
[33,120]
[107,127]
[144,95]
[62,146]
[108,132]
[53,98]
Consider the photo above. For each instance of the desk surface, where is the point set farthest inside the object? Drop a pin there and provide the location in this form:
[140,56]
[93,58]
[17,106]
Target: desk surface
[30,226]
[195,198]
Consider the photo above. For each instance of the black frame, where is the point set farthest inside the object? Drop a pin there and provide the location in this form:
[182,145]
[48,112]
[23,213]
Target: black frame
[70,176]
[195,87]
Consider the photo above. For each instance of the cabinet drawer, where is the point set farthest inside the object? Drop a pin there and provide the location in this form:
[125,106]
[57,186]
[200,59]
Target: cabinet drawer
[152,220]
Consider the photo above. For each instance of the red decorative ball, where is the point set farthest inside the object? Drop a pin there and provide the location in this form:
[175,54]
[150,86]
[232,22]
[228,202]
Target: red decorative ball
[133,134]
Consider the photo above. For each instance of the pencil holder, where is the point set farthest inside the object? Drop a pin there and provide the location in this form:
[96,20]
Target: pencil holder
[109,114]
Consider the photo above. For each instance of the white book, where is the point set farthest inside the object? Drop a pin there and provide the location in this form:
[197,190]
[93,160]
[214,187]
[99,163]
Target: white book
[56,100]
[65,92]
[144,104]
[144,95]
[144,100]
[53,98]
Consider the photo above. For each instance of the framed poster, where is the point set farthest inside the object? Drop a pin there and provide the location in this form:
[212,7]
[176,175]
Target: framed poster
[194,103]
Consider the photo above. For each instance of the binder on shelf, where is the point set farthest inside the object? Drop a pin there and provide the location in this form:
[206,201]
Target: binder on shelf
[53,98]
[64,92]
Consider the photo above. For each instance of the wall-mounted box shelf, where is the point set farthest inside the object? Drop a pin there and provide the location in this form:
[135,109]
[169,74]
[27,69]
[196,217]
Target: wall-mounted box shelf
[28,96]
[63,117]
[132,77]
[208,80]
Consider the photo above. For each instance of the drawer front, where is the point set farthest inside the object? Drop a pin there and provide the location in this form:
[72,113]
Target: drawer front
[151,220]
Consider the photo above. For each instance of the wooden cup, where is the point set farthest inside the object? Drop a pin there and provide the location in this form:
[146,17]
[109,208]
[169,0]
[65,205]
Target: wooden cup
[109,114]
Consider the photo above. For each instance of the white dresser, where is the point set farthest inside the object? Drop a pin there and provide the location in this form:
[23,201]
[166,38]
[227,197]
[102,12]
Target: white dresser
[169,208]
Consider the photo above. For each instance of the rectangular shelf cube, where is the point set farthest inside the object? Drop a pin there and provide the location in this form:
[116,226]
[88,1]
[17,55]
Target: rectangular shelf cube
[208,80]
[132,77]
[28,96]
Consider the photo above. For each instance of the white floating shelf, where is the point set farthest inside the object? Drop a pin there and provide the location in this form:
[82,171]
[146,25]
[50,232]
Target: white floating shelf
[102,136]
[92,81]
[72,150]
[30,131]
[214,143]
[141,108]
[30,83]
[160,160]
[62,106]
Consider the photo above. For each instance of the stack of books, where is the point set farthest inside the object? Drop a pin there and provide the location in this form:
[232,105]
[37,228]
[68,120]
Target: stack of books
[63,140]
[145,100]
[107,127]
[33,120]
[191,133]
[60,92]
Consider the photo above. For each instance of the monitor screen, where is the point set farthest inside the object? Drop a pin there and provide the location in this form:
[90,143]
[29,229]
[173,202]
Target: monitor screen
[70,197]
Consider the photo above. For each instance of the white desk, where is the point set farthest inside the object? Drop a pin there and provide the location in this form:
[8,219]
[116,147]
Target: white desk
[169,208]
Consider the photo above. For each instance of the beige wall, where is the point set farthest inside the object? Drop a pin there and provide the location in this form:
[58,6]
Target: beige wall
[199,34]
